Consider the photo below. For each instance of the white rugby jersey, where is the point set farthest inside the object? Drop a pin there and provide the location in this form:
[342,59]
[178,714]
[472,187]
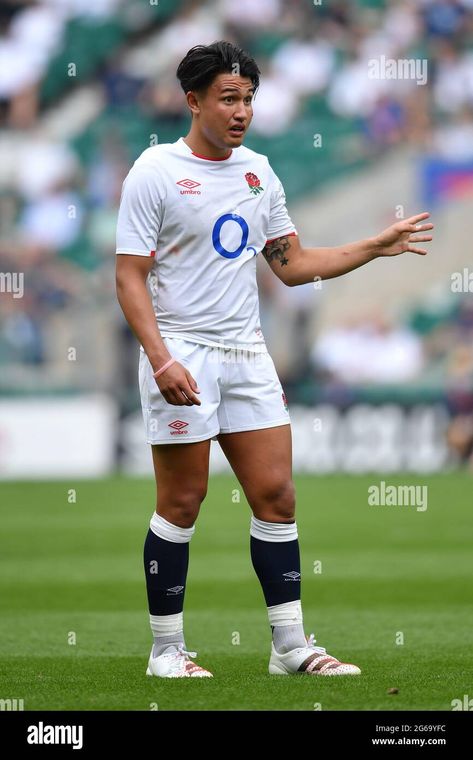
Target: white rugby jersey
[204,221]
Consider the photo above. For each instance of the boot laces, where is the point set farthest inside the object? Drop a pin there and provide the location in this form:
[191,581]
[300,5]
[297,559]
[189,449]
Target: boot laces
[311,641]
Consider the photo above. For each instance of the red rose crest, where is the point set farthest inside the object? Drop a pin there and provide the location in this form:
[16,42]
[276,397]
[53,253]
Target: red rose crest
[253,183]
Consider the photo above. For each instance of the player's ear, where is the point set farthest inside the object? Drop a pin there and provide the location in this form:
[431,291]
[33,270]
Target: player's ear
[193,102]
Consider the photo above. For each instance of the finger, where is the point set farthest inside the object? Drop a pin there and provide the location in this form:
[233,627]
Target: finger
[169,398]
[190,395]
[418,218]
[175,397]
[420,227]
[420,251]
[186,401]
[180,397]
[192,382]
[420,239]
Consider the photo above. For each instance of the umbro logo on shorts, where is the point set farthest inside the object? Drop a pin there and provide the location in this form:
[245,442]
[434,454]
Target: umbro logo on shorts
[293,575]
[190,186]
[175,590]
[178,426]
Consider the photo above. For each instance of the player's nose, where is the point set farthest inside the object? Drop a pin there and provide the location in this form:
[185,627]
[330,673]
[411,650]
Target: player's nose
[240,113]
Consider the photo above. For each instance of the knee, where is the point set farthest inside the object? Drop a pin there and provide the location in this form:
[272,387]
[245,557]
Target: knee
[276,503]
[181,507]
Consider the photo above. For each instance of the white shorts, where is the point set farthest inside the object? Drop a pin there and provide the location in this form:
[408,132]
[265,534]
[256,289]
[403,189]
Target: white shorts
[238,390]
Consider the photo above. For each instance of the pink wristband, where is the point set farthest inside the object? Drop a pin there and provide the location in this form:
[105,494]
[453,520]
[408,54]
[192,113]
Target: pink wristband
[163,368]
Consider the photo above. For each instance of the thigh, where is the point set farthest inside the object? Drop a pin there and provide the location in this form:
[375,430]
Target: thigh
[181,466]
[261,460]
[182,473]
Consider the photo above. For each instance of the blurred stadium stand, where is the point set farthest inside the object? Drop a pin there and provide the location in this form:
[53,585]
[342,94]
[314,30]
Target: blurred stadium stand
[85,88]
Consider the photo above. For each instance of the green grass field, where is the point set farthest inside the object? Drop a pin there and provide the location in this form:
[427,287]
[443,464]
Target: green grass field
[76,569]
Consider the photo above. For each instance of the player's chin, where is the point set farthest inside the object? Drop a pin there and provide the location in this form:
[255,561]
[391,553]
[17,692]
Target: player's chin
[235,137]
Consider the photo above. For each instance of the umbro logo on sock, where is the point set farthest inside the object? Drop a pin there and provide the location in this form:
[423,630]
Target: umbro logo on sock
[175,590]
[293,575]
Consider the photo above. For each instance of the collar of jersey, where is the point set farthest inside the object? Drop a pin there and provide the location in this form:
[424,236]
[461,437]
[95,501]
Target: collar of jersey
[203,158]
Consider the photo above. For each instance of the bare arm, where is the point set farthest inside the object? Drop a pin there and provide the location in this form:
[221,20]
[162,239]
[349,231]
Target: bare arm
[176,384]
[295,265]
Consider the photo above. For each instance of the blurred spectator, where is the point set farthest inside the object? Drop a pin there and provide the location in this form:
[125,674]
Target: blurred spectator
[387,123]
[26,46]
[453,82]
[352,93]
[41,165]
[273,114]
[53,221]
[164,99]
[246,14]
[305,63]
[454,140]
[444,18]
[369,351]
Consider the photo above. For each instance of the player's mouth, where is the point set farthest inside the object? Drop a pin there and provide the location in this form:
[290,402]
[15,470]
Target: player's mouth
[237,130]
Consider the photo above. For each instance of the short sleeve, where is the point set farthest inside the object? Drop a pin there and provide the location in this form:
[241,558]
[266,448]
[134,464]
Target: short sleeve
[139,216]
[280,223]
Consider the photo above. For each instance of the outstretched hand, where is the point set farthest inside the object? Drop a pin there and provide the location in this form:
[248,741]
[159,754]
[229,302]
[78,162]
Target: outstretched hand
[402,238]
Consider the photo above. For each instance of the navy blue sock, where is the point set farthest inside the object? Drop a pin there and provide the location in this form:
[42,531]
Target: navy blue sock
[165,565]
[278,567]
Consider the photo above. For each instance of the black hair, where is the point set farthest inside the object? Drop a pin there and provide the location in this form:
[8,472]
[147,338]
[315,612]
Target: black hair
[203,63]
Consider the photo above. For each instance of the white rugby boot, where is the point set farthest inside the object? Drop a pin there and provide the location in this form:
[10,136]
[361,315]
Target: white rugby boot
[175,662]
[309,659]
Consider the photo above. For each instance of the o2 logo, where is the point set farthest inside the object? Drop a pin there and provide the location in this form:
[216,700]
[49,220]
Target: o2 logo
[217,243]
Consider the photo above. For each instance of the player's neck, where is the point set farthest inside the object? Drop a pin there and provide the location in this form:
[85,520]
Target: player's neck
[205,149]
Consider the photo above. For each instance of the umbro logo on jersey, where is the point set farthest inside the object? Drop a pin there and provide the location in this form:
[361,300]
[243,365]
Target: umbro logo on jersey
[175,590]
[190,186]
[293,575]
[178,426]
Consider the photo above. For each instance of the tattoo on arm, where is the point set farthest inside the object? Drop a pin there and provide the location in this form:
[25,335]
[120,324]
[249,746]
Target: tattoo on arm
[276,249]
